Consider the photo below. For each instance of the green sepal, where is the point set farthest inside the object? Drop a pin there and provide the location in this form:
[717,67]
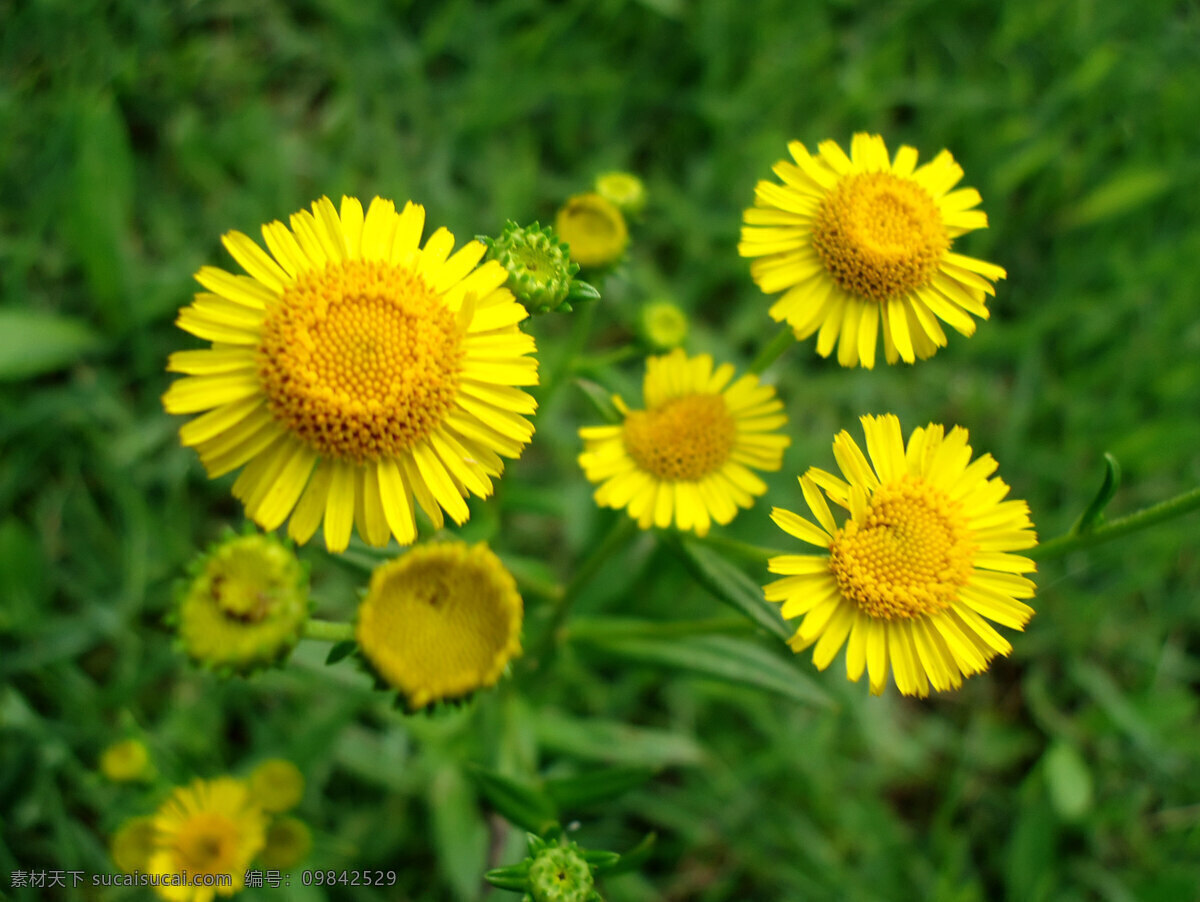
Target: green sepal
[514,877]
[601,860]
[340,651]
[1094,514]
[582,291]
[635,857]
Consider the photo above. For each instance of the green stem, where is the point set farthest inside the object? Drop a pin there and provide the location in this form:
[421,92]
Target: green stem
[768,355]
[1105,532]
[329,631]
[581,327]
[622,529]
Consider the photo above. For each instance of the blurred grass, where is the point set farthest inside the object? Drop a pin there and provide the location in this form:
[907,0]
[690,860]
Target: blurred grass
[135,134]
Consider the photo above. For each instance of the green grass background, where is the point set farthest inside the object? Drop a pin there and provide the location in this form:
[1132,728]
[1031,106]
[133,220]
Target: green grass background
[134,134]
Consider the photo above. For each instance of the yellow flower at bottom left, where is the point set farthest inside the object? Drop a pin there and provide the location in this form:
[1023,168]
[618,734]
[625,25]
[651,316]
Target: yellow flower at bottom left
[209,830]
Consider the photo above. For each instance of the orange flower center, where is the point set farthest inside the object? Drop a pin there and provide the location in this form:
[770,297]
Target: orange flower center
[879,235]
[908,556]
[682,440]
[360,359]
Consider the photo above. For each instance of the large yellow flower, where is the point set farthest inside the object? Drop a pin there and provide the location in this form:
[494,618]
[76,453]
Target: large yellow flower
[688,456]
[355,372]
[922,560]
[856,241]
[206,830]
[441,621]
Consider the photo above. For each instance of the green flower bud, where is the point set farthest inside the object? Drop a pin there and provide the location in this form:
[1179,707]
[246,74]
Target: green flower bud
[624,190]
[663,325]
[540,269]
[560,874]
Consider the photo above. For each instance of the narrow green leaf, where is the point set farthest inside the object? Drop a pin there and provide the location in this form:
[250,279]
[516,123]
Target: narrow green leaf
[729,584]
[459,832]
[1095,511]
[100,214]
[595,787]
[1125,191]
[521,804]
[601,400]
[1069,781]
[593,739]
[738,661]
[34,342]
[1030,872]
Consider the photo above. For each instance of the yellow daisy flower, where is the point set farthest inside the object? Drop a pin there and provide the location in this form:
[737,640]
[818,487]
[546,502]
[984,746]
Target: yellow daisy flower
[210,827]
[441,621]
[354,372]
[923,559]
[593,228]
[856,241]
[687,457]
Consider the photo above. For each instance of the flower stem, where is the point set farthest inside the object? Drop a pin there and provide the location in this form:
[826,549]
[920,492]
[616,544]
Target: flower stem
[618,535]
[1157,513]
[328,631]
[581,328]
[768,355]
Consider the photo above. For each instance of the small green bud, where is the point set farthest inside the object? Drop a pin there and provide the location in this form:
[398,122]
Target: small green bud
[624,190]
[663,325]
[540,270]
[560,874]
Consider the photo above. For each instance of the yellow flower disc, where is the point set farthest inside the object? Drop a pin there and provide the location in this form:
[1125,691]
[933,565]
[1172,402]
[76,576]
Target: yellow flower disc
[276,785]
[594,229]
[910,555]
[441,621]
[360,359]
[921,565]
[209,827]
[879,236]
[688,459]
[684,439]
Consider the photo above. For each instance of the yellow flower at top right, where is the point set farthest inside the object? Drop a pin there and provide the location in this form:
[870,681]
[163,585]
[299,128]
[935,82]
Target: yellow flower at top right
[863,240]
